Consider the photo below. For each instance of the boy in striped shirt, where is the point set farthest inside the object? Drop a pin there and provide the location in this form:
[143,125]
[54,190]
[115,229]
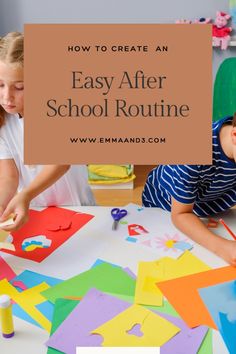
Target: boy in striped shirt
[190,191]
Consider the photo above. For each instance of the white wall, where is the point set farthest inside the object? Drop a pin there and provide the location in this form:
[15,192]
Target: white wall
[14,13]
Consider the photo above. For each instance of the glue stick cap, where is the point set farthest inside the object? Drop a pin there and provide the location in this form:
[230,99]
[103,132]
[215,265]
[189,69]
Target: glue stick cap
[5,301]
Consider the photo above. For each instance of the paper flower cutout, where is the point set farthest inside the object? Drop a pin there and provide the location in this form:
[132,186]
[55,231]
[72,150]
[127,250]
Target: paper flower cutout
[168,242]
[31,243]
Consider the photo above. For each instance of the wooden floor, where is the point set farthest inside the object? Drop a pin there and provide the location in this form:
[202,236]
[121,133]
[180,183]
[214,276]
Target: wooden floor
[121,197]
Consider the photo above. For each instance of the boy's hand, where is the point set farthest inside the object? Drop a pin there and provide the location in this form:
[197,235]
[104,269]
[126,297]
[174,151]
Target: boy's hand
[228,251]
[19,206]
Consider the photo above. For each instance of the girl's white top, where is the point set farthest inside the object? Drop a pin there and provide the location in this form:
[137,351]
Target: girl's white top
[71,189]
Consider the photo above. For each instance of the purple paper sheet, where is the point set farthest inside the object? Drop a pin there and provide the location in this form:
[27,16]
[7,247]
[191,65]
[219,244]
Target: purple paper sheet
[94,309]
[129,272]
[187,341]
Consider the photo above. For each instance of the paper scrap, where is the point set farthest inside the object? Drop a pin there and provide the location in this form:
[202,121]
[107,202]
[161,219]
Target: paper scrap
[3,235]
[7,246]
[8,222]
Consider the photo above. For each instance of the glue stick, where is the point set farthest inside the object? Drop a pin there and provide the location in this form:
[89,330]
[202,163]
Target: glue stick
[6,316]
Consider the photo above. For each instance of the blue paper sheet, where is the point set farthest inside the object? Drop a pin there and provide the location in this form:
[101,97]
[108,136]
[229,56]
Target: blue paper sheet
[31,279]
[220,301]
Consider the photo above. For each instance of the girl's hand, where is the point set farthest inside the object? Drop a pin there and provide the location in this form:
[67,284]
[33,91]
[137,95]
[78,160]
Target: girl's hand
[227,251]
[19,206]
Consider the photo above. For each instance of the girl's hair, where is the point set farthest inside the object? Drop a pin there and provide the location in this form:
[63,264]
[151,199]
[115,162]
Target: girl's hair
[11,52]
[234,120]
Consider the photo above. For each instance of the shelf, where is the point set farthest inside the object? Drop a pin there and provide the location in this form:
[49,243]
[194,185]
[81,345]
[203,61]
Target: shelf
[231,44]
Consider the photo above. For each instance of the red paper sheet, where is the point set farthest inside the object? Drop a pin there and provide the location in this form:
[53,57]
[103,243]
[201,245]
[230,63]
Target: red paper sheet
[6,271]
[56,224]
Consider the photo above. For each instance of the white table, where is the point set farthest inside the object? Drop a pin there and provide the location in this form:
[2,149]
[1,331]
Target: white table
[79,253]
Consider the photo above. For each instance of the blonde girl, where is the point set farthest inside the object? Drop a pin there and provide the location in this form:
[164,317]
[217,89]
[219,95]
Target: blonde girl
[22,185]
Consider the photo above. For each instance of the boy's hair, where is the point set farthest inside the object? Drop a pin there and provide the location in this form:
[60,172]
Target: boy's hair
[234,120]
[11,52]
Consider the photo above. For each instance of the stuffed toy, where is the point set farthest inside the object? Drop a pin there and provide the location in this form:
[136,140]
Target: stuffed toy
[220,31]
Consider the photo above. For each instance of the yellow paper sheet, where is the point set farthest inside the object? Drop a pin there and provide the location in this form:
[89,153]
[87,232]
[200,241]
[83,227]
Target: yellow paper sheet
[3,235]
[149,273]
[156,330]
[7,246]
[3,240]
[27,300]
[146,291]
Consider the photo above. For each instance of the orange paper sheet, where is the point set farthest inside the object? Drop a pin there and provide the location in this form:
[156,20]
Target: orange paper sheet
[183,295]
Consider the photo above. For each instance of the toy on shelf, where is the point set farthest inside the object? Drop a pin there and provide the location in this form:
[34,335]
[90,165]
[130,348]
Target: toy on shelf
[221,33]
[183,21]
[203,20]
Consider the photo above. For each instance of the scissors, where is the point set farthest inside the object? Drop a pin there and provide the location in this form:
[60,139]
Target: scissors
[117,214]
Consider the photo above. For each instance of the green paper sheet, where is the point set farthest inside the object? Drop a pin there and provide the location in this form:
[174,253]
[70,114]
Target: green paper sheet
[62,309]
[104,277]
[206,346]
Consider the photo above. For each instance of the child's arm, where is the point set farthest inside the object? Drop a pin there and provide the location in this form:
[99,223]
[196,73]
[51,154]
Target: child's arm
[190,224]
[19,204]
[9,179]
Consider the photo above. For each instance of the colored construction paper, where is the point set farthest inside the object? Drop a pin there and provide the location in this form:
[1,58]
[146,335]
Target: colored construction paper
[126,269]
[5,270]
[27,300]
[93,310]
[6,241]
[186,264]
[3,235]
[19,285]
[152,330]
[7,246]
[206,346]
[146,292]
[187,341]
[194,337]
[136,230]
[52,226]
[182,245]
[182,294]
[131,239]
[104,277]
[31,279]
[62,309]
[220,301]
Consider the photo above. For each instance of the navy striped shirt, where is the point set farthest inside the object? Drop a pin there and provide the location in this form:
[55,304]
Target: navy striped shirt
[211,188]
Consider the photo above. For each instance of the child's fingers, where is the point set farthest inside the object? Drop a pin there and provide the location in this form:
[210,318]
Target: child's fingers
[1,210]
[6,214]
[20,219]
